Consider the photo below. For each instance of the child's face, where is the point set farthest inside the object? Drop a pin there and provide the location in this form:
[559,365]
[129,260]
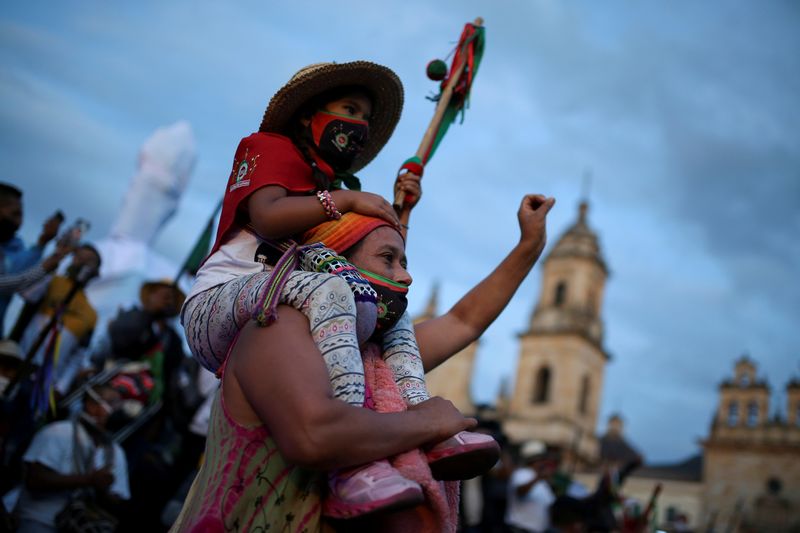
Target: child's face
[354,105]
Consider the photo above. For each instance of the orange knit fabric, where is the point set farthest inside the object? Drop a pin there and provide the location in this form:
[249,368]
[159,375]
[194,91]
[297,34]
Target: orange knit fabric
[339,235]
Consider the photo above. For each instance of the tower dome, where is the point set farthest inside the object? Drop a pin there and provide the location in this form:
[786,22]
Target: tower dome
[579,241]
[573,280]
[560,371]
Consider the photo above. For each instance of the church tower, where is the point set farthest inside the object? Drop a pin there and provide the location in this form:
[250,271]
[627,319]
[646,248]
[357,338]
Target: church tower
[744,400]
[556,396]
[452,378]
[751,461]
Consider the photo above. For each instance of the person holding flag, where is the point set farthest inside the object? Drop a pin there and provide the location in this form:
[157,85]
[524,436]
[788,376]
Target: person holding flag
[61,328]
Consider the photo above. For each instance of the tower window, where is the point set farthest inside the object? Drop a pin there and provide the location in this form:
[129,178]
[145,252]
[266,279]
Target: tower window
[752,414]
[583,402]
[797,414]
[541,391]
[560,294]
[733,414]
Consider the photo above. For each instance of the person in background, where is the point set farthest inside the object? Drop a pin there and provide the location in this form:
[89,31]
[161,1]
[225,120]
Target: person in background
[529,493]
[61,356]
[15,425]
[148,351]
[568,515]
[143,333]
[15,257]
[10,361]
[54,469]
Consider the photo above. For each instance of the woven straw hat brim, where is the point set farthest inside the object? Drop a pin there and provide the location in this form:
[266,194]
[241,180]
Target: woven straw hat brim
[382,83]
[148,286]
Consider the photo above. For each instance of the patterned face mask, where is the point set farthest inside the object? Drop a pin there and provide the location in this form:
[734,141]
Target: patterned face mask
[392,300]
[338,138]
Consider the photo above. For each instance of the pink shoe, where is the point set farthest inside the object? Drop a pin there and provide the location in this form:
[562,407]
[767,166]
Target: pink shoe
[463,456]
[369,488]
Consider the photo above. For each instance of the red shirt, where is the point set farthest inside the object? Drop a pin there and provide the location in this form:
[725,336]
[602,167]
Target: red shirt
[264,159]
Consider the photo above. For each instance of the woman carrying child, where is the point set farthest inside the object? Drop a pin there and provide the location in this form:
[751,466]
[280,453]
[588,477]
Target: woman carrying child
[328,122]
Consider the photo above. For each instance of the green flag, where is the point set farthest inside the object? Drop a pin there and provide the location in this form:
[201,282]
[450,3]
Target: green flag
[200,248]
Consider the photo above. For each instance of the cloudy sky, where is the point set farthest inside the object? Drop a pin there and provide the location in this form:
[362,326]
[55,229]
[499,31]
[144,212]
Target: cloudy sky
[685,113]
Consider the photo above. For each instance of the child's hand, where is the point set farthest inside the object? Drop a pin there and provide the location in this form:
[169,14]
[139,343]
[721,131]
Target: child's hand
[369,204]
[408,184]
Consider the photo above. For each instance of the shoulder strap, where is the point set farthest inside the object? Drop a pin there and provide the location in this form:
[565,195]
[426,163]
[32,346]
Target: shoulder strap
[82,465]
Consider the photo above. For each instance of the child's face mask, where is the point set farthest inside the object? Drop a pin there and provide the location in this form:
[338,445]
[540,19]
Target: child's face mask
[338,138]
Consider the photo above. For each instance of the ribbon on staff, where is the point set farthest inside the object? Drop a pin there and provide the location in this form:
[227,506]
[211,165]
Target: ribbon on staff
[452,100]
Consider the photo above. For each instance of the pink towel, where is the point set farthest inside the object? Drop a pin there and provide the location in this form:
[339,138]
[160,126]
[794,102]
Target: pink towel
[439,512]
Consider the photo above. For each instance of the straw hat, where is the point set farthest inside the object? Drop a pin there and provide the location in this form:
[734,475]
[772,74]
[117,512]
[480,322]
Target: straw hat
[10,349]
[532,450]
[149,286]
[382,84]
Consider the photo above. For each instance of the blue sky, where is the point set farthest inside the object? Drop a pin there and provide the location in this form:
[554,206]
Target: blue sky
[685,113]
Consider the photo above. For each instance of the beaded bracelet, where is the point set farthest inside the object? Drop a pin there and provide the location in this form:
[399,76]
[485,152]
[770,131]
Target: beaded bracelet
[328,205]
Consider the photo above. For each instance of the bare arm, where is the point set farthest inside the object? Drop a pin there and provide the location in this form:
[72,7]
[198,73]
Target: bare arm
[277,376]
[276,215]
[40,477]
[473,313]
[10,283]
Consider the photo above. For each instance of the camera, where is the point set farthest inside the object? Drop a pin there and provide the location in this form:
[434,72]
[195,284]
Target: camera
[72,236]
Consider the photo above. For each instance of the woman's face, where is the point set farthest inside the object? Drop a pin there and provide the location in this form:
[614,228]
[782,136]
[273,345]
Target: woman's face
[383,252]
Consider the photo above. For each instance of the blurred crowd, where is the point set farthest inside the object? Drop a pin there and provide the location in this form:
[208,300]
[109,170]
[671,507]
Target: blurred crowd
[532,490]
[120,413]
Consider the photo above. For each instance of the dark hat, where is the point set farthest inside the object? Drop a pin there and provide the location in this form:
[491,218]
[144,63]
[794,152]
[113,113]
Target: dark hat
[148,287]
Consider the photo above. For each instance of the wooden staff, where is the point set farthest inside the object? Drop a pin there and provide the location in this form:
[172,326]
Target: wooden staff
[433,127]
[651,505]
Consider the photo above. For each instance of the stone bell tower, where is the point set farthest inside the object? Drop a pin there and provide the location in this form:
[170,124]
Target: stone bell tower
[744,400]
[556,396]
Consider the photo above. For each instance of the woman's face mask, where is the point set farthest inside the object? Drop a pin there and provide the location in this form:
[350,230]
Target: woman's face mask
[392,300]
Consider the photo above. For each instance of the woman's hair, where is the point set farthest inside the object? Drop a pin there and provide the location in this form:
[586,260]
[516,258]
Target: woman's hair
[350,252]
[298,132]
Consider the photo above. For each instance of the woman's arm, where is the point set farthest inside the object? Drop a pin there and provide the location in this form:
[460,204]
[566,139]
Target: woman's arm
[277,376]
[471,315]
